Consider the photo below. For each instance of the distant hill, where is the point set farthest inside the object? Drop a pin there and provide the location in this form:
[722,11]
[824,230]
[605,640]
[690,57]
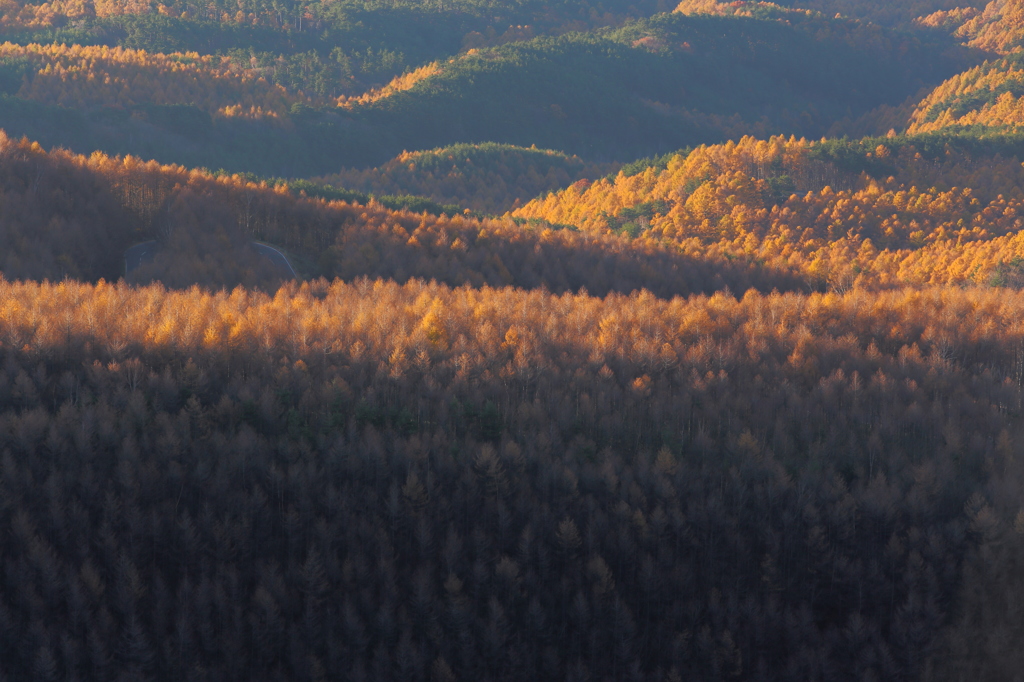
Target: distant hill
[489,178]
[316,33]
[615,94]
[901,13]
[662,83]
[89,77]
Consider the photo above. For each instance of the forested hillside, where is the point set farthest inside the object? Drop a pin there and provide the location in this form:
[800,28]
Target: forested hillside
[416,481]
[490,178]
[999,27]
[591,341]
[904,13]
[877,213]
[987,95]
[605,95]
[285,103]
[74,216]
[87,77]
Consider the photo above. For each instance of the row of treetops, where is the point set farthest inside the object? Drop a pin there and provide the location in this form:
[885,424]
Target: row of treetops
[926,368]
[20,16]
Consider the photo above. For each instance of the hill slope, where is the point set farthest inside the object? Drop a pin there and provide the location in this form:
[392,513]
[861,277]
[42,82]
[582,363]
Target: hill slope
[75,216]
[665,82]
[879,212]
[647,87]
[89,77]
[998,28]
[901,14]
[990,95]
[489,178]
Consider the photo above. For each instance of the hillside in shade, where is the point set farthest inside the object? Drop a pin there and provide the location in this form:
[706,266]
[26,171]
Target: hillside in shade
[668,81]
[650,86]
[904,13]
[490,178]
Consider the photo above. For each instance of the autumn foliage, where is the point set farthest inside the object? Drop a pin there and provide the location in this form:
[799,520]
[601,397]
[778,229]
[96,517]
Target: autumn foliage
[987,95]
[999,27]
[778,213]
[439,479]
[786,203]
[75,216]
[405,81]
[744,411]
[79,76]
[950,14]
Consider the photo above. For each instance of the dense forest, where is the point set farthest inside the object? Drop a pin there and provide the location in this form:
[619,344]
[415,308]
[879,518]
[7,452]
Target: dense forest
[371,481]
[882,212]
[988,95]
[605,95]
[493,340]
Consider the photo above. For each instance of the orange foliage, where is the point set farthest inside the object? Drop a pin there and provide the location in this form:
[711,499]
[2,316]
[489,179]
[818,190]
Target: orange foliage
[948,19]
[985,95]
[489,336]
[18,16]
[766,214]
[74,215]
[406,81]
[80,76]
[949,222]
[743,8]
[998,28]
